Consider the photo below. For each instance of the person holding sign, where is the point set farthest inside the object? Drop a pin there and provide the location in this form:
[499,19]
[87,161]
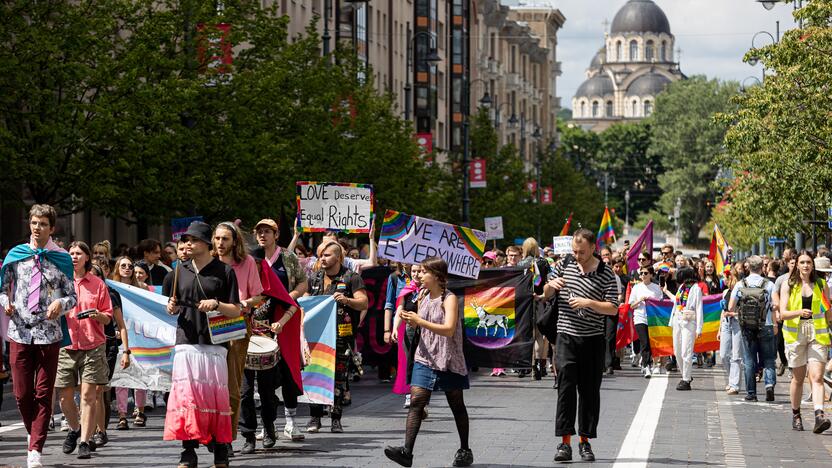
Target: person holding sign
[198,409]
[347,288]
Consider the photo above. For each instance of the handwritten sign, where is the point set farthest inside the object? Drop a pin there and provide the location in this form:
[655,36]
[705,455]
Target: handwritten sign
[562,245]
[494,228]
[411,239]
[334,207]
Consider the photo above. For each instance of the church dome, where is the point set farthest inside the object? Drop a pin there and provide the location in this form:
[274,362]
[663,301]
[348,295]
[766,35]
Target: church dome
[599,59]
[640,16]
[598,85]
[650,84]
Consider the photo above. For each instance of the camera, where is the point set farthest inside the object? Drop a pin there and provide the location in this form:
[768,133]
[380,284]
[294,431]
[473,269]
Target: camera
[84,314]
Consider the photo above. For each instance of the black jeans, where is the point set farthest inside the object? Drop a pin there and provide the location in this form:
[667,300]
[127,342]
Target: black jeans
[644,339]
[580,364]
[266,382]
[611,330]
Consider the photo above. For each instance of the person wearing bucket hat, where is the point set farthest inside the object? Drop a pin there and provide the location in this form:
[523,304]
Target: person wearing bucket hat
[200,285]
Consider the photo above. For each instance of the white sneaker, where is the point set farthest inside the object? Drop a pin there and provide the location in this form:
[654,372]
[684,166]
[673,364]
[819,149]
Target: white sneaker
[64,425]
[659,370]
[648,372]
[292,432]
[407,401]
[260,434]
[33,459]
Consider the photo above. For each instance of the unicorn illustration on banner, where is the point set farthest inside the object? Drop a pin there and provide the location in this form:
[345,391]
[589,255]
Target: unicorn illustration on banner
[489,320]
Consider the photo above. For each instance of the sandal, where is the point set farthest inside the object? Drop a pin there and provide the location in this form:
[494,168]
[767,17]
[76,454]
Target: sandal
[140,421]
[122,424]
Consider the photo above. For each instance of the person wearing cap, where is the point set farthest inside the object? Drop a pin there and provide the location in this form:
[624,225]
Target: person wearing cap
[198,409]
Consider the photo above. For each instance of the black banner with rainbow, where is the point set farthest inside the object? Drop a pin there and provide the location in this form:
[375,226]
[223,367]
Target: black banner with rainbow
[497,310]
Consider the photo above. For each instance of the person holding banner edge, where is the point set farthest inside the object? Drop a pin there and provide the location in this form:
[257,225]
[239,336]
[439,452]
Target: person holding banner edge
[587,292]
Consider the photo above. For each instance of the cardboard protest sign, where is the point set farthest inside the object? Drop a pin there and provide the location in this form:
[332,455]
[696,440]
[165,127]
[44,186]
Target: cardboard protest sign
[411,239]
[334,207]
[494,228]
[562,245]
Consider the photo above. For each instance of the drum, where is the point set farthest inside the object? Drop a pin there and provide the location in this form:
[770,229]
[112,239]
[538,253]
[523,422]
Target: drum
[263,353]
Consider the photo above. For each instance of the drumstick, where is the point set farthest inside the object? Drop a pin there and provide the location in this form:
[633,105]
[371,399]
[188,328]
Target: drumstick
[175,279]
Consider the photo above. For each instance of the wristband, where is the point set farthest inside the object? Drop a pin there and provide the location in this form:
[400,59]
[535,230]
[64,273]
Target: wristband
[127,352]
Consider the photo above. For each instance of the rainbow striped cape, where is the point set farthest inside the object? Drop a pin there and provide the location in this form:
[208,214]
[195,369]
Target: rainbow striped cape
[318,376]
[661,333]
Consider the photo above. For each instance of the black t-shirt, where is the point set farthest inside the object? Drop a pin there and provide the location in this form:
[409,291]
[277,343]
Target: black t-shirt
[216,280]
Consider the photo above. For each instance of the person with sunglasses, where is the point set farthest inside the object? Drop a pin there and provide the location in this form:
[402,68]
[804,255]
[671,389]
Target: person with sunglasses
[639,294]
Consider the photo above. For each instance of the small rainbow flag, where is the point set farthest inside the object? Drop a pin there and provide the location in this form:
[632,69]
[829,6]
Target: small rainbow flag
[663,267]
[565,230]
[319,329]
[824,304]
[661,333]
[161,357]
[606,234]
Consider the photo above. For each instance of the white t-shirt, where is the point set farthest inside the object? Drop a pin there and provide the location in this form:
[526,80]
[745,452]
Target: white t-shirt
[641,291]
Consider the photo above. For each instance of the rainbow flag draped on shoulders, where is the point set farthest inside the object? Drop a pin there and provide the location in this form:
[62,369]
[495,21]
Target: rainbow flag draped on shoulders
[606,234]
[661,333]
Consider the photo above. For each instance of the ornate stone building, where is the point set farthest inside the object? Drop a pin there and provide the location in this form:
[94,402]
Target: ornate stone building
[635,64]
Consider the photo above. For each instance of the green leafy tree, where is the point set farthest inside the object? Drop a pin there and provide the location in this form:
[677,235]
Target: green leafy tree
[624,154]
[780,134]
[688,142]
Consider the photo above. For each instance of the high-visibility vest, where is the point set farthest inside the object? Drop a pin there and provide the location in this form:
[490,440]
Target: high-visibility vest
[791,326]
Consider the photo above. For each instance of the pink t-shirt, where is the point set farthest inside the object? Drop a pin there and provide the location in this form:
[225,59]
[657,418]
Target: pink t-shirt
[248,279]
[88,333]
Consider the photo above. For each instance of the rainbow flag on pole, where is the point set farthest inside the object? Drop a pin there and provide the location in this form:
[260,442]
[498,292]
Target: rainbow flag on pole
[661,333]
[719,251]
[606,235]
[565,230]
[319,328]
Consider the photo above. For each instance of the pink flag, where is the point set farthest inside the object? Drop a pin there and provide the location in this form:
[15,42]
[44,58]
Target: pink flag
[644,243]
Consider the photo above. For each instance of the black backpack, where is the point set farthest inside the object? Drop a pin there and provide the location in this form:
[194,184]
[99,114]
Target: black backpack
[752,306]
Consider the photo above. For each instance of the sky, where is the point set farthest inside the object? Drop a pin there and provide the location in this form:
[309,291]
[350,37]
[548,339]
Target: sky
[713,35]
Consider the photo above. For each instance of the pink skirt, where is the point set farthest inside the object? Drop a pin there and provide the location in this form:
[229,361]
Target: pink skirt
[198,407]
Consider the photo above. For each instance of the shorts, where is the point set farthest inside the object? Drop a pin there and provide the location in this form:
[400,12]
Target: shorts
[806,349]
[436,380]
[82,366]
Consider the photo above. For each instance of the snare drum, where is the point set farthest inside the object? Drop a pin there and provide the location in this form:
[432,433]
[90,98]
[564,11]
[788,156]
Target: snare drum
[263,353]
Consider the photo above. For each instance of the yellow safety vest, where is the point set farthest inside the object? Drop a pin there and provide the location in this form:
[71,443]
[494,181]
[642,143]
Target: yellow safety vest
[791,326]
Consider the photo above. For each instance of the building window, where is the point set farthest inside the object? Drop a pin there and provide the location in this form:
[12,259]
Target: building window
[648,108]
[595,108]
[609,109]
[618,52]
[633,51]
[648,51]
[635,108]
[583,110]
[663,52]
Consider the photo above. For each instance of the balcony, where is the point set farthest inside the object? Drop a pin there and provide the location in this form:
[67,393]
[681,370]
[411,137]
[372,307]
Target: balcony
[495,67]
[483,64]
[513,81]
[557,68]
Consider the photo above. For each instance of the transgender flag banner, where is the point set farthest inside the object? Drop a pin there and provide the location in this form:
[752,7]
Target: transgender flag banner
[319,319]
[151,332]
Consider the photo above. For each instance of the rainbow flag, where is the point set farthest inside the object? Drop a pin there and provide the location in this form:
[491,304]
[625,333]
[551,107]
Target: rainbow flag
[606,234]
[661,333]
[319,329]
[565,230]
[162,357]
[718,252]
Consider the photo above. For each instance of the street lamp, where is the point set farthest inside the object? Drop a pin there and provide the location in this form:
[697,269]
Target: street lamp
[744,88]
[754,59]
[767,4]
[497,110]
[430,59]
[466,157]
[627,212]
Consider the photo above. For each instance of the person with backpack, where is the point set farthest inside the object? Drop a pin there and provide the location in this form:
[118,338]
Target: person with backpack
[751,304]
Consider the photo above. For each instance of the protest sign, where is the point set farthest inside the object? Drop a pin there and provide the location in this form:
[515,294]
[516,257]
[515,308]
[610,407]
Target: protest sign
[334,207]
[411,239]
[562,245]
[494,228]
[178,226]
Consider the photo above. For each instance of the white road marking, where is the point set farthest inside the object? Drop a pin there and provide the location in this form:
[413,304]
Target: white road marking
[12,427]
[635,451]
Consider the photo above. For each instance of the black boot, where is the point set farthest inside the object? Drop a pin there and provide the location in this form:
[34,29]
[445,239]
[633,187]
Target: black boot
[536,370]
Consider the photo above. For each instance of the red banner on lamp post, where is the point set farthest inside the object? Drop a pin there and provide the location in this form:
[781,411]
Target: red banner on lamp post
[476,173]
[546,196]
[531,187]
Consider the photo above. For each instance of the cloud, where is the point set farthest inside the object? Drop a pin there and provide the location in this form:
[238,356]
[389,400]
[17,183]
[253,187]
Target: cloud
[713,35]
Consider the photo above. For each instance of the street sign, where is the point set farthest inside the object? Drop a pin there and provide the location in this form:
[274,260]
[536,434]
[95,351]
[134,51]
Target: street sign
[773,241]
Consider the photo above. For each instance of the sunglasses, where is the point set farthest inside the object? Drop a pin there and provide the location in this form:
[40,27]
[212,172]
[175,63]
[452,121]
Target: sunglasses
[488,263]
[643,273]
[642,259]
[126,266]
[669,252]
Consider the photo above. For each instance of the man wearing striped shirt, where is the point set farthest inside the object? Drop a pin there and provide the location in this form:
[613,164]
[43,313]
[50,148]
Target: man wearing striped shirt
[587,292]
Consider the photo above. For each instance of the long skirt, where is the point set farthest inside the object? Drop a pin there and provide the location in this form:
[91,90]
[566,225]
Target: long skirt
[198,407]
